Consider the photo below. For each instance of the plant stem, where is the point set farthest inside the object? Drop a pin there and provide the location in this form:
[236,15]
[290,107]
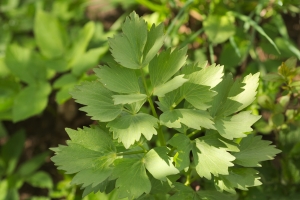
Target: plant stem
[193,133]
[161,136]
[211,53]
[130,153]
[176,103]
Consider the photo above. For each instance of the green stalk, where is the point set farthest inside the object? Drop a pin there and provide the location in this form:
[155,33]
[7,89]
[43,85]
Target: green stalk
[211,53]
[193,133]
[160,134]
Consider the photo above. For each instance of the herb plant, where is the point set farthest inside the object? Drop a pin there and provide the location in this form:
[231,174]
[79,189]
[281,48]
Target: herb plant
[166,127]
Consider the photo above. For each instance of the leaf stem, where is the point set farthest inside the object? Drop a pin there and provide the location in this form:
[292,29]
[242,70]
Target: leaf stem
[211,53]
[159,130]
[130,153]
[176,103]
[193,133]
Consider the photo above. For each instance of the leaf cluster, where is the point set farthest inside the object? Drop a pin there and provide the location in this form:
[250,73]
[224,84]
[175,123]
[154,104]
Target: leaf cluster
[195,126]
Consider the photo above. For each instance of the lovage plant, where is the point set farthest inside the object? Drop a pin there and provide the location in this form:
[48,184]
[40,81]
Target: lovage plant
[166,128]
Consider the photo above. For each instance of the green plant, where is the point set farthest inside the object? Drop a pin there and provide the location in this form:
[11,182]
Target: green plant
[14,174]
[196,136]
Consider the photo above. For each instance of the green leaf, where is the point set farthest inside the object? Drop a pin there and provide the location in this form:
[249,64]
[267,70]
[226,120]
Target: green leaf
[249,148]
[234,96]
[154,42]
[128,99]
[210,159]
[240,178]
[199,96]
[165,65]
[237,125]
[183,146]
[98,101]
[209,76]
[49,34]
[132,178]
[169,86]
[81,42]
[135,47]
[88,60]
[128,128]
[90,154]
[40,179]
[118,79]
[25,64]
[34,95]
[159,164]
[192,118]
[127,47]
[11,151]
[219,28]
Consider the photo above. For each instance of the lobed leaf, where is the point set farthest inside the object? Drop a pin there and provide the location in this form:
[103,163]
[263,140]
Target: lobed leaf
[210,159]
[132,179]
[98,101]
[90,153]
[128,128]
[249,148]
[118,79]
[237,125]
[240,178]
[192,118]
[165,65]
[135,47]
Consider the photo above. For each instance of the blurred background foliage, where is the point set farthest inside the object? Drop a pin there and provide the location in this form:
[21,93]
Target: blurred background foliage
[48,46]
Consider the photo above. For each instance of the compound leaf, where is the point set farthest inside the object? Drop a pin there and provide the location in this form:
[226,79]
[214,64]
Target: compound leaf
[165,65]
[249,148]
[90,153]
[183,146]
[118,79]
[237,125]
[192,118]
[240,178]
[210,159]
[98,101]
[132,178]
[128,128]
[159,164]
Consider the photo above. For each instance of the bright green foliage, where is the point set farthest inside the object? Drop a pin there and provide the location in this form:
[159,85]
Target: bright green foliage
[239,178]
[194,105]
[249,146]
[128,128]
